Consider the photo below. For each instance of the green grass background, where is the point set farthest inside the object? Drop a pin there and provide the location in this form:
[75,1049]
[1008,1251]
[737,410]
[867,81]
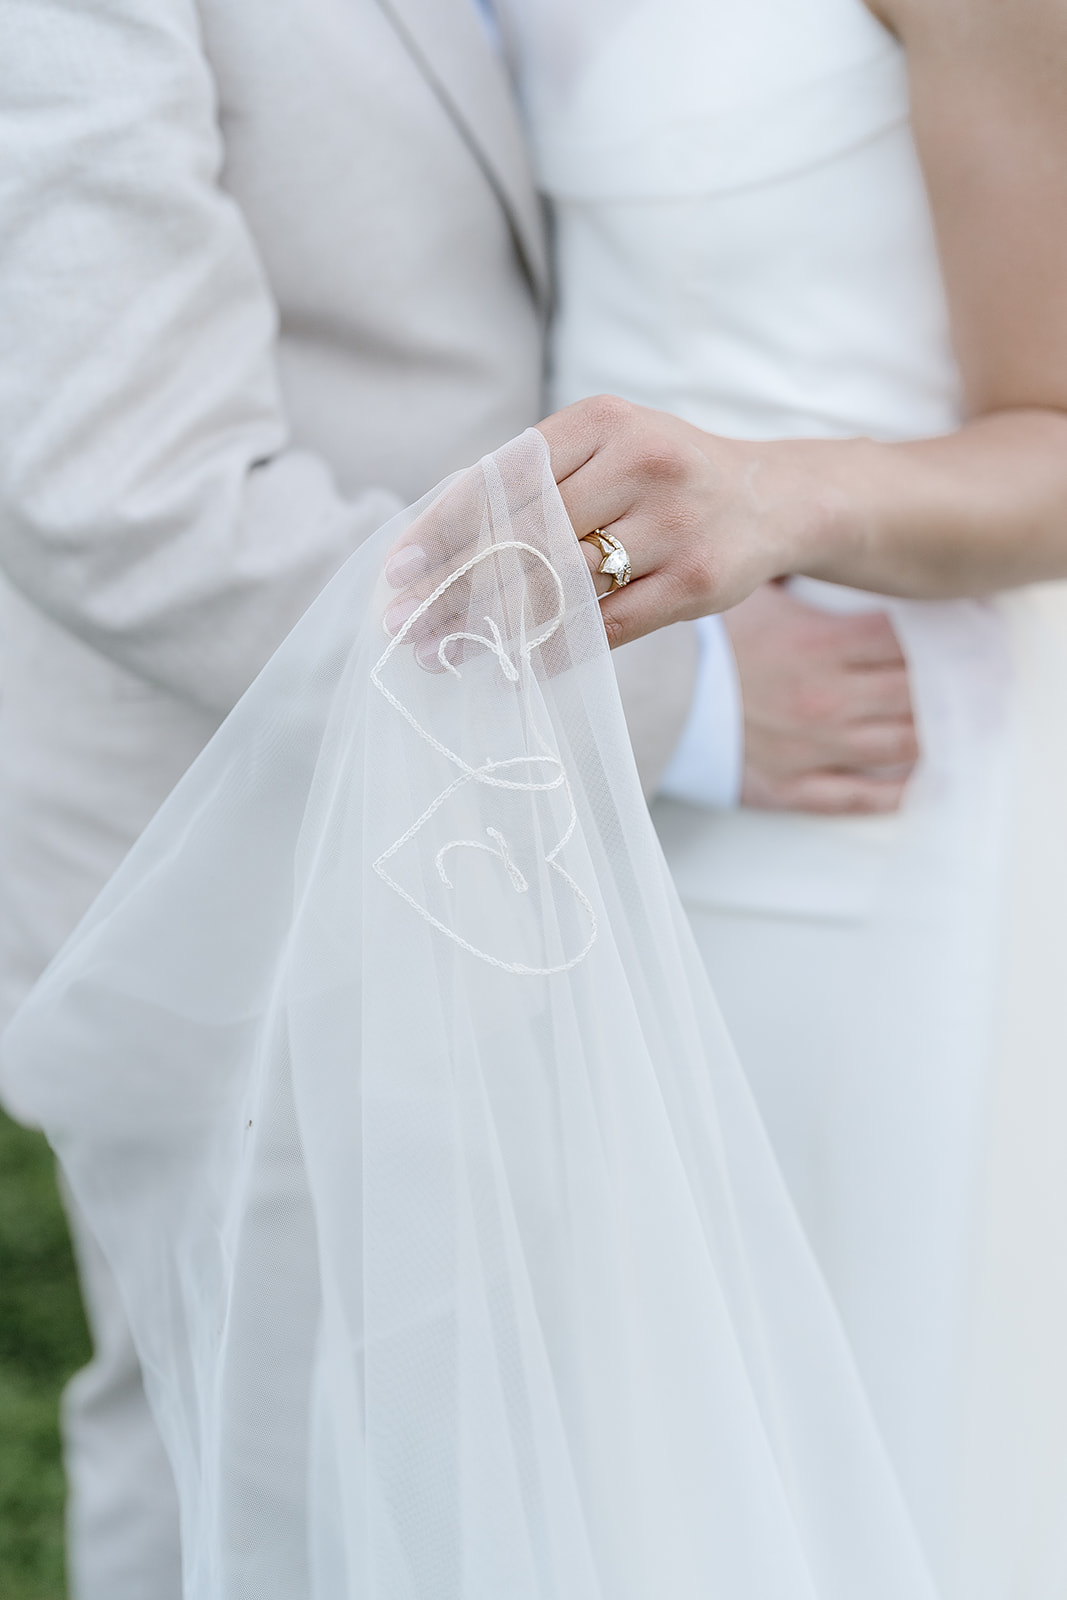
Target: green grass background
[42,1341]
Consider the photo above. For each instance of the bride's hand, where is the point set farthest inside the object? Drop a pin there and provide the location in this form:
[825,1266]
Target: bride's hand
[704,520]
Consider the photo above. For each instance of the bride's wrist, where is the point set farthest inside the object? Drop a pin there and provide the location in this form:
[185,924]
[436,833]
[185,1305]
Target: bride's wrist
[836,528]
[804,505]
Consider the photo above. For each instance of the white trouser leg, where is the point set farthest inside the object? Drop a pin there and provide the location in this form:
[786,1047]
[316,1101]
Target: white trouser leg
[122,1518]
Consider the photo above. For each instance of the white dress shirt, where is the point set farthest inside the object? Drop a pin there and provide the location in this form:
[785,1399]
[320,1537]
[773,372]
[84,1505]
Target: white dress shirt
[708,760]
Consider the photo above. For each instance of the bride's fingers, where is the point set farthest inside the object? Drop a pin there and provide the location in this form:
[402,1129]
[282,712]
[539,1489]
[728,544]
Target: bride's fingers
[625,610]
[596,495]
[418,571]
[440,538]
[596,555]
[611,459]
[653,521]
[420,564]
[599,500]
[406,564]
[642,606]
[578,432]
[495,603]
[596,500]
[453,603]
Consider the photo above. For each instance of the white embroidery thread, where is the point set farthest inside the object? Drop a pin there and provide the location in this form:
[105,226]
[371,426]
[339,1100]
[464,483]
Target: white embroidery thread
[490,772]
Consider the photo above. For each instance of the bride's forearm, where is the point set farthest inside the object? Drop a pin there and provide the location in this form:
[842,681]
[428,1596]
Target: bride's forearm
[974,511]
[705,520]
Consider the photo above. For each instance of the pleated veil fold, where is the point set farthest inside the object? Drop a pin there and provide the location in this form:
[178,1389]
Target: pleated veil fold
[388,1076]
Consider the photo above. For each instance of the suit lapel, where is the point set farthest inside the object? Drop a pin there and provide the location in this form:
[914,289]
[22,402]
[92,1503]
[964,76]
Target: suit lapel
[450,47]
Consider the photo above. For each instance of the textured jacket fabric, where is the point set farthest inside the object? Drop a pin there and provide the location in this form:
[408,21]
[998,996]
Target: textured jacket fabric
[266,273]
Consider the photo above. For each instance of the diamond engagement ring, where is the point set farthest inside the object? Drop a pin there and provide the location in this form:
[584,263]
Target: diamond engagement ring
[616,563]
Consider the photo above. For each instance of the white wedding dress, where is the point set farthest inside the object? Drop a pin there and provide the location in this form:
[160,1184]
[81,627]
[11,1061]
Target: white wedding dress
[744,239]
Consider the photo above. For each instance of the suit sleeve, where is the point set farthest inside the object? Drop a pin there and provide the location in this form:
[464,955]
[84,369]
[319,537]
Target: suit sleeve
[149,498]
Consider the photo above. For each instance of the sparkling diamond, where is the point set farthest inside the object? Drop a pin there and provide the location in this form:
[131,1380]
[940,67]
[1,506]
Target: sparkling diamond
[616,566]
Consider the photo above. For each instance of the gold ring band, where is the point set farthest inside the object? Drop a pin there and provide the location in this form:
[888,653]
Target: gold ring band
[616,563]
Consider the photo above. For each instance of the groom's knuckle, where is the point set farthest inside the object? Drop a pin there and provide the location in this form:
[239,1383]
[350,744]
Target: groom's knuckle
[884,797]
[809,794]
[904,744]
[878,796]
[888,745]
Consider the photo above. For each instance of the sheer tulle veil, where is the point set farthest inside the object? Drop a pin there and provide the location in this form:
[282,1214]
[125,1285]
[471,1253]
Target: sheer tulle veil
[389,1079]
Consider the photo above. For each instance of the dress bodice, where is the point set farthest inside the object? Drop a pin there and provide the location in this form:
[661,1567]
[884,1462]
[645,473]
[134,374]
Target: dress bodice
[743,233]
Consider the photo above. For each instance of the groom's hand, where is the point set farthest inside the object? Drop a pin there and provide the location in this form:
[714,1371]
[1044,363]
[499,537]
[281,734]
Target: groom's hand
[828,715]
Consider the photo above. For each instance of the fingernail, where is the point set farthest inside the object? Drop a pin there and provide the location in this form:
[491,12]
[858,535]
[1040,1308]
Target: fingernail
[399,612]
[426,655]
[405,565]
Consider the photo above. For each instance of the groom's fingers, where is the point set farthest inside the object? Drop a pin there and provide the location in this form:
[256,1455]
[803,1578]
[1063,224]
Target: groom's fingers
[878,695]
[866,640]
[827,706]
[827,793]
[848,794]
[868,745]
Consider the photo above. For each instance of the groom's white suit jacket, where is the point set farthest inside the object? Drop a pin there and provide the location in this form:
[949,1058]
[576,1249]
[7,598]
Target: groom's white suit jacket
[267,272]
